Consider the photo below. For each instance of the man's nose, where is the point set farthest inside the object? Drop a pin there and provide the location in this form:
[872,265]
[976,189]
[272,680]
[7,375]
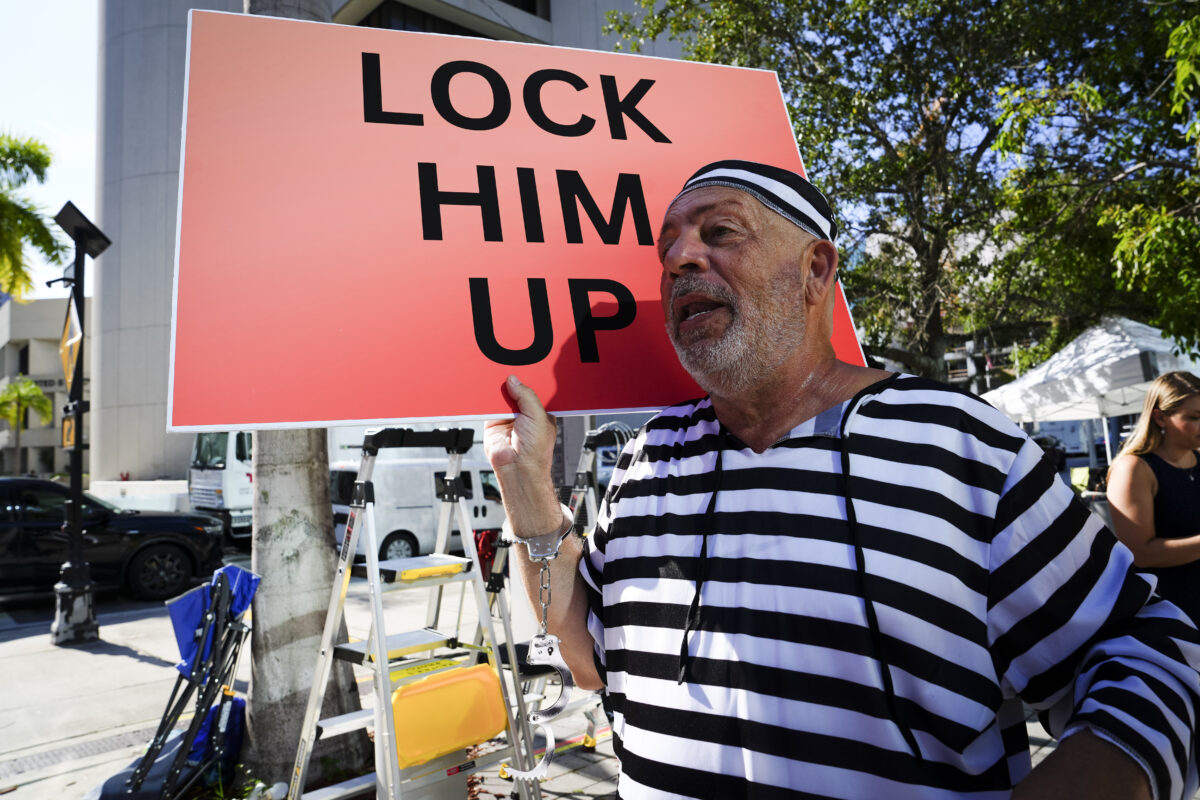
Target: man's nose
[686,254]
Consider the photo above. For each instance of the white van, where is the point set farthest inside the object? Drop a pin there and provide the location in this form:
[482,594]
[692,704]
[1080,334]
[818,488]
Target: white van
[407,505]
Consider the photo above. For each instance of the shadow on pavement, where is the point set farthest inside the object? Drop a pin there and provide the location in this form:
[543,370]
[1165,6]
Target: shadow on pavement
[103,648]
[23,617]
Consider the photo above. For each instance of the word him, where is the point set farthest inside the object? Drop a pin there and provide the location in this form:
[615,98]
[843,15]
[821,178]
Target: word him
[572,193]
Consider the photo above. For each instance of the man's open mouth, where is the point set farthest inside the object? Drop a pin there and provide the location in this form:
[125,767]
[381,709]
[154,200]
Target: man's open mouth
[698,305]
[698,308]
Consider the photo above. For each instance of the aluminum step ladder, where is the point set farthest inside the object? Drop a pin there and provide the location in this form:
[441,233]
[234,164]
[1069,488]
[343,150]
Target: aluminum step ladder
[401,659]
[583,496]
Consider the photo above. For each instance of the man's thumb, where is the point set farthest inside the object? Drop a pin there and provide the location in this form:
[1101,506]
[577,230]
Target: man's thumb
[527,399]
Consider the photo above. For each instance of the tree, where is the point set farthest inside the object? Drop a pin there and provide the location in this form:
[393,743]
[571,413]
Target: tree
[21,222]
[19,396]
[1111,141]
[293,550]
[897,110]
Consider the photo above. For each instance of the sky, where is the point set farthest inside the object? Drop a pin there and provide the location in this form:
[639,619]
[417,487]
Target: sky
[48,88]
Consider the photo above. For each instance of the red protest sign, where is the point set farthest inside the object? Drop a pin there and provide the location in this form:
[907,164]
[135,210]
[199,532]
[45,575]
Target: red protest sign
[379,225]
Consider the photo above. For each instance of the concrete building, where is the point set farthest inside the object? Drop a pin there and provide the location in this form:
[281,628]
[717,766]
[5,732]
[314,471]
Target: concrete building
[142,59]
[29,339]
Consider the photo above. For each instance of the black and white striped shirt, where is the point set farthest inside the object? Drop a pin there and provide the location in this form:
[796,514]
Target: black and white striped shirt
[988,584]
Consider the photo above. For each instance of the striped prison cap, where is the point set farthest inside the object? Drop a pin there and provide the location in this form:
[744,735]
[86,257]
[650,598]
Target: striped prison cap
[783,191]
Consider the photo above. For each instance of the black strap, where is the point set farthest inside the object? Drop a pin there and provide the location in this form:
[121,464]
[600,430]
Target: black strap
[693,614]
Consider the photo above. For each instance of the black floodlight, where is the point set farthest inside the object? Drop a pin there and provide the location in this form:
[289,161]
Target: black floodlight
[81,230]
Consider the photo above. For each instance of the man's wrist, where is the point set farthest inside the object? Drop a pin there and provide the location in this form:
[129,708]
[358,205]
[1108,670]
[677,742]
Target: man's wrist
[543,545]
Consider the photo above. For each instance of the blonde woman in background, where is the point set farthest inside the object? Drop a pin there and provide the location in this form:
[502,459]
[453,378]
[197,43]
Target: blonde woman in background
[1154,489]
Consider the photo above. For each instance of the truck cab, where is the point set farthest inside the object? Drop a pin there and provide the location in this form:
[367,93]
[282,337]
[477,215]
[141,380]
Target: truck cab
[220,480]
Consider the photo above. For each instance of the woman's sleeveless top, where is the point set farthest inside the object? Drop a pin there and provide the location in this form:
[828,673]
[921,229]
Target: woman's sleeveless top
[1176,515]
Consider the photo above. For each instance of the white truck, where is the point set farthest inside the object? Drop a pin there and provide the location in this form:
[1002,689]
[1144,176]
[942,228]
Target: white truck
[407,505]
[220,480]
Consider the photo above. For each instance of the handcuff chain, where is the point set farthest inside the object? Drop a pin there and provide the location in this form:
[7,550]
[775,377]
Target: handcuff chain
[544,647]
[544,593]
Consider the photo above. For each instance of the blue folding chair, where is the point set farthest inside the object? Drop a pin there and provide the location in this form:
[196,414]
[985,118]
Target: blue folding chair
[210,631]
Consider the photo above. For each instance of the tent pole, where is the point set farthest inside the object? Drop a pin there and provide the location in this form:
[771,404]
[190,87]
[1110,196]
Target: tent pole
[1089,432]
[1107,446]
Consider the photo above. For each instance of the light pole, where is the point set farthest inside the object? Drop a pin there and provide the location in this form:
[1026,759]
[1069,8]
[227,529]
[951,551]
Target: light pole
[74,613]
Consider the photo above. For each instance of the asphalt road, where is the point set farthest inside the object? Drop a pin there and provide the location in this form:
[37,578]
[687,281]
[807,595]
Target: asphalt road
[22,611]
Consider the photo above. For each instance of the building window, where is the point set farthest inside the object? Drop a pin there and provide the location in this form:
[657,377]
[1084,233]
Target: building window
[396,16]
[399,17]
[539,8]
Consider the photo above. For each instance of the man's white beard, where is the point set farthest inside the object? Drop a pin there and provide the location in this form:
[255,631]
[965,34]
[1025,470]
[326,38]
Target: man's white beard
[756,341]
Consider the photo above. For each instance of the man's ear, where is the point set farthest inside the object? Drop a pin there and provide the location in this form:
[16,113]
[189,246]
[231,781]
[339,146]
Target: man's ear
[822,273]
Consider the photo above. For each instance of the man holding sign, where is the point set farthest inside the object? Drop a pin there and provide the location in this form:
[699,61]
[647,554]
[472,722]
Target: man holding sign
[824,580]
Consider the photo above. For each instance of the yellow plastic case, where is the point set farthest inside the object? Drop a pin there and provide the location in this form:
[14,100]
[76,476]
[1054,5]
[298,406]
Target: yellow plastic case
[446,712]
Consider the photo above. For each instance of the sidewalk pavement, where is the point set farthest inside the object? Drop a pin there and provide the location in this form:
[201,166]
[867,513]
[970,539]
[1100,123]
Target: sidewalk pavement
[70,717]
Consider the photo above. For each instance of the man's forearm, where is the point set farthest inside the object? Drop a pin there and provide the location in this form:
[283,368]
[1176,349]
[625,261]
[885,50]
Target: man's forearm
[1084,765]
[567,611]
[520,452]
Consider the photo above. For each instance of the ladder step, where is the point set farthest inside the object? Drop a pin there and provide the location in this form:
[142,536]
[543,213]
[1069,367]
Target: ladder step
[409,671]
[398,645]
[337,791]
[429,570]
[344,723]
[421,775]
[424,776]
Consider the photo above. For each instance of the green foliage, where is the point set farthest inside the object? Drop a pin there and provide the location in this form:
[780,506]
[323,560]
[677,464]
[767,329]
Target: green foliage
[1099,162]
[975,151]
[1026,358]
[1184,47]
[1156,255]
[21,222]
[21,395]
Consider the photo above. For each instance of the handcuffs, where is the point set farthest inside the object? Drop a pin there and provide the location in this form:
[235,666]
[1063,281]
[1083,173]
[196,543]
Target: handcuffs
[544,648]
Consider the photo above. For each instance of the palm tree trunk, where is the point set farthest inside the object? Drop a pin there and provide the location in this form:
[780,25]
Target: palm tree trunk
[294,552]
[17,441]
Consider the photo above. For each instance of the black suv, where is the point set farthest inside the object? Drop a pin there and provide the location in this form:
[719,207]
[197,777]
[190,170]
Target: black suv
[153,554]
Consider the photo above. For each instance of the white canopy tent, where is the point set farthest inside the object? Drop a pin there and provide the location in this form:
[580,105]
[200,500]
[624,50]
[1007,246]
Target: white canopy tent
[1104,372]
